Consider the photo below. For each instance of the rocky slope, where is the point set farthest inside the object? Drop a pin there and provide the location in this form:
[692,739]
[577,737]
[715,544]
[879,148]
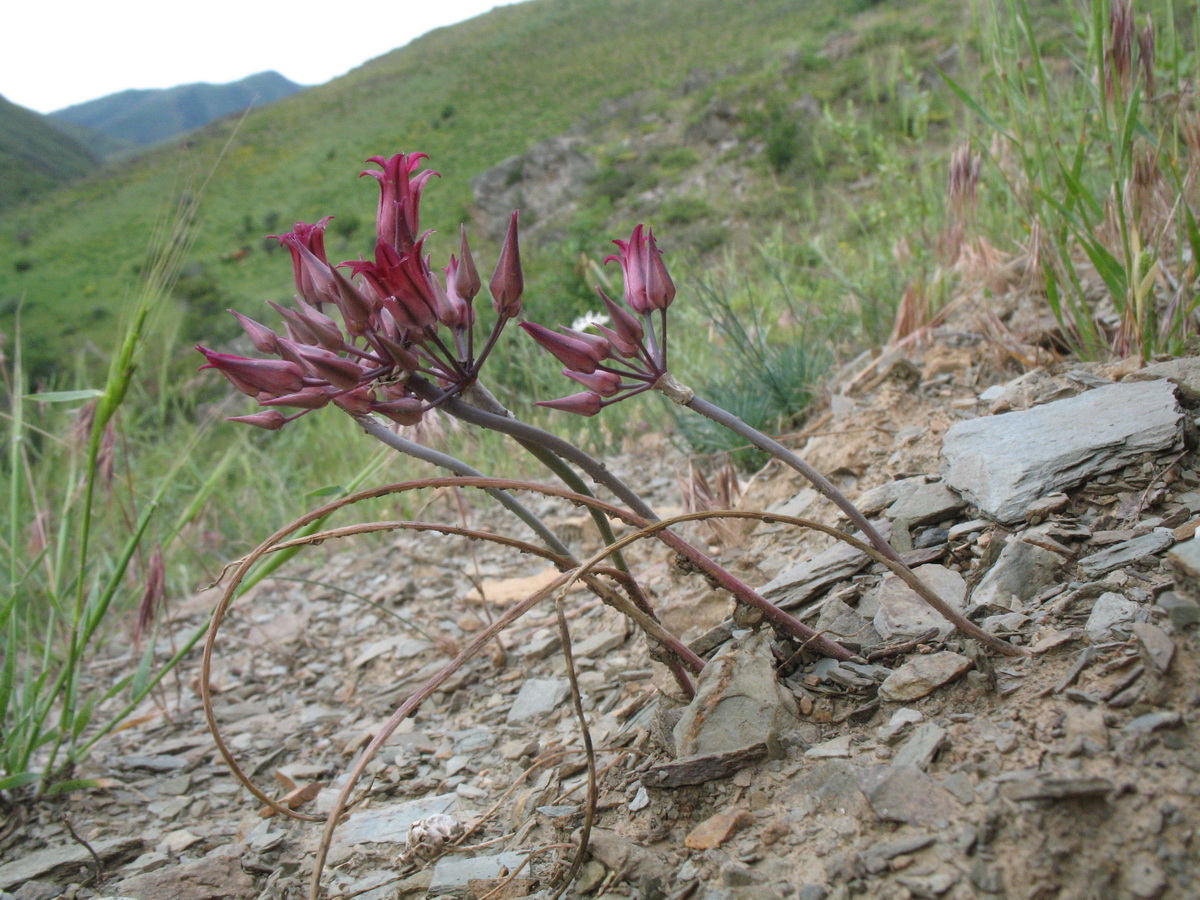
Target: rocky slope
[1056,506]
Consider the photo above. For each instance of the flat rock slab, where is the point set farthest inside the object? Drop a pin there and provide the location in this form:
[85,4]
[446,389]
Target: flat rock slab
[906,794]
[453,871]
[903,612]
[1127,553]
[389,824]
[810,577]
[1004,463]
[538,697]
[66,859]
[211,878]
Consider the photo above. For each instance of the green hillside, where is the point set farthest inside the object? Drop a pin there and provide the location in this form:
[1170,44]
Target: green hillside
[35,156]
[144,117]
[470,96]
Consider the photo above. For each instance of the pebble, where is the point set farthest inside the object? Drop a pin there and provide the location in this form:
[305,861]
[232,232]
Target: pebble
[1182,611]
[1018,575]
[921,747]
[453,871]
[923,675]
[899,724]
[1157,647]
[717,829]
[1110,611]
[1153,722]
[738,703]
[837,748]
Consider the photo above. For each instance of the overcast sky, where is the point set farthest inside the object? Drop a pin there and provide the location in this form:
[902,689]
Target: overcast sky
[56,54]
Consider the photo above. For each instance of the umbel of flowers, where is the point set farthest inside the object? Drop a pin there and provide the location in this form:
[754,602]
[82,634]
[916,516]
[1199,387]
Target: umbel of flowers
[402,325]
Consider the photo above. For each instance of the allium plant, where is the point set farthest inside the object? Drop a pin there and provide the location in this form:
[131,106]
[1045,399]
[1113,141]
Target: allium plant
[392,339]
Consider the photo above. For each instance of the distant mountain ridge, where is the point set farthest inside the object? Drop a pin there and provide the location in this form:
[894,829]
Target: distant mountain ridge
[145,117]
[35,156]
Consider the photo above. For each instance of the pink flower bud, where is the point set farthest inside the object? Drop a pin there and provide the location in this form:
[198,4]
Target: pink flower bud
[466,279]
[603,383]
[508,283]
[647,283]
[338,371]
[573,353]
[271,420]
[585,403]
[357,402]
[252,376]
[262,337]
[405,411]
[309,398]
[624,323]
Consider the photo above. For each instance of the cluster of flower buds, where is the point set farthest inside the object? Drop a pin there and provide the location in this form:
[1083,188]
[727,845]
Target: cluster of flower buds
[392,312]
[631,356]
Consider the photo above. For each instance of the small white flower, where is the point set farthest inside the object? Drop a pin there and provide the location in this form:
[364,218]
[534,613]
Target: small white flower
[589,318]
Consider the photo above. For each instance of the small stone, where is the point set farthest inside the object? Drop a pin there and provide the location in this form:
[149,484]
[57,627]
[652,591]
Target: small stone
[519,748]
[1044,507]
[738,703]
[927,886]
[959,784]
[640,800]
[38,890]
[538,698]
[1157,647]
[1183,611]
[840,621]
[156,763]
[1185,558]
[922,676]
[175,842]
[1019,574]
[38,864]
[809,577]
[598,644]
[717,829]
[899,724]
[927,503]
[919,750]
[1049,787]
[896,846]
[1143,878]
[390,824]
[1109,612]
[591,876]
[1153,722]
[210,878]
[837,748]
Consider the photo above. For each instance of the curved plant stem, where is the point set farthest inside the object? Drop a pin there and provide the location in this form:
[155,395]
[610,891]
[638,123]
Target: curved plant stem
[697,404]
[600,473]
[381,432]
[479,396]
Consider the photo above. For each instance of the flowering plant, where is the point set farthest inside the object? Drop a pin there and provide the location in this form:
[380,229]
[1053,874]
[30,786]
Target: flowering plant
[404,343]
